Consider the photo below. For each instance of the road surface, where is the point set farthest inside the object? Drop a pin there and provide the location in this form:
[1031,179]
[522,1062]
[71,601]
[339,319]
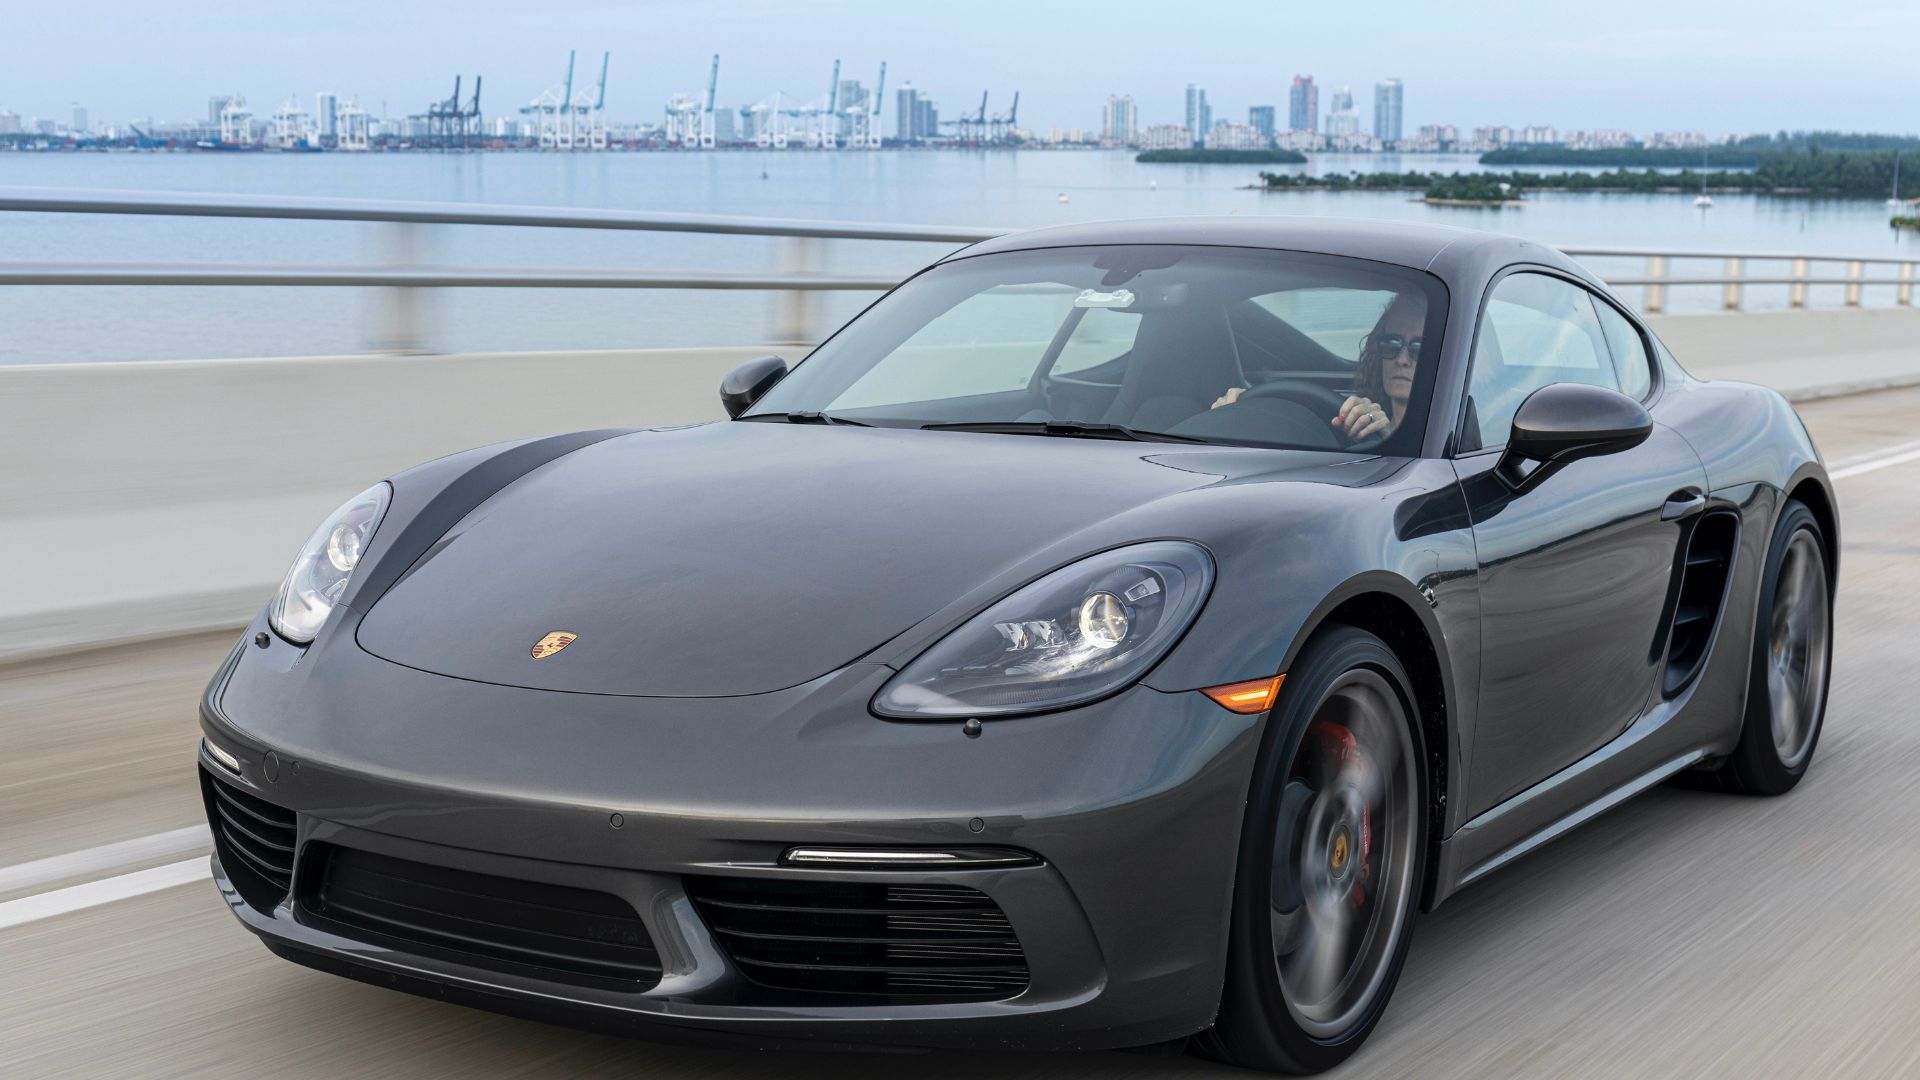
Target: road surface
[1685,934]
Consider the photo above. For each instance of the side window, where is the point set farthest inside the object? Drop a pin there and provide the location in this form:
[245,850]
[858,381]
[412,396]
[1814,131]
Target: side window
[1335,318]
[1629,351]
[1536,330]
[988,343]
[1103,335]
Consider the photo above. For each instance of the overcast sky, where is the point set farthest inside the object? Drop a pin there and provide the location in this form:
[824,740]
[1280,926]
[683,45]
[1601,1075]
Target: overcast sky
[1634,64]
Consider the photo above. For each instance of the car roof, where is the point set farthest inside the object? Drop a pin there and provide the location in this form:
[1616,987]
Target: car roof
[1414,244]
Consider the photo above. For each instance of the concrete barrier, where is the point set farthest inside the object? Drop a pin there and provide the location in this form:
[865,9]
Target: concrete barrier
[153,498]
[160,497]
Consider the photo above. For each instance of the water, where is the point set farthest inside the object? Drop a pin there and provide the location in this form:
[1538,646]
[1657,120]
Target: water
[46,324]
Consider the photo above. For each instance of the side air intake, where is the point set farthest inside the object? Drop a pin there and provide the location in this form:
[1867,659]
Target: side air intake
[1700,597]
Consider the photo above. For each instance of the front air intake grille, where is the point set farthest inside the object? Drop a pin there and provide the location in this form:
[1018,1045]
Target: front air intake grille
[254,838]
[881,942]
[553,932]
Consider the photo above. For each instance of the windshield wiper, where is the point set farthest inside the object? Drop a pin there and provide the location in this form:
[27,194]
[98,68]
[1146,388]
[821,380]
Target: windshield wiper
[807,416]
[1071,429]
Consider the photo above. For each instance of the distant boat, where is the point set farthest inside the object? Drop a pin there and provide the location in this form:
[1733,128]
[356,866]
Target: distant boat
[1894,202]
[1703,200]
[1063,196]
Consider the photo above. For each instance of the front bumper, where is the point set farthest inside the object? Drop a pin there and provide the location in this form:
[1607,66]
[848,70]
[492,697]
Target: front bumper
[1133,807]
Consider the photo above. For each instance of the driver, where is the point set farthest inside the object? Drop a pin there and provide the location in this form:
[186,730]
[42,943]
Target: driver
[1388,357]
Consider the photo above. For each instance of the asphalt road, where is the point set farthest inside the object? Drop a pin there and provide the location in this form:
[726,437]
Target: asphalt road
[1685,934]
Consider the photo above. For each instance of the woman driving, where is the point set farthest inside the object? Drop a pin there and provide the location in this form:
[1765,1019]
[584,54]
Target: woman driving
[1388,357]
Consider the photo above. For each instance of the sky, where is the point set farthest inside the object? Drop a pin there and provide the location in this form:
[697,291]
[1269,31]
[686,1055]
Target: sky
[1640,65]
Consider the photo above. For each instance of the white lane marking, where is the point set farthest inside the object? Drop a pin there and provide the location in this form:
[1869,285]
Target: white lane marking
[1872,464]
[1855,459]
[105,857]
[105,891]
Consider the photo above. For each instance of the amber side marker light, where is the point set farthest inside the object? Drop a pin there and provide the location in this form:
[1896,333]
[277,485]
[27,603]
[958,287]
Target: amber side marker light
[1252,696]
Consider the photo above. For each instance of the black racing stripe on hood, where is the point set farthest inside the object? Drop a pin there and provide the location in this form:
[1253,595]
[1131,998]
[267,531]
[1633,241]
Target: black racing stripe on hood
[456,501]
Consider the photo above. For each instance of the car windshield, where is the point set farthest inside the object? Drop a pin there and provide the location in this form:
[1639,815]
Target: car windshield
[1235,346]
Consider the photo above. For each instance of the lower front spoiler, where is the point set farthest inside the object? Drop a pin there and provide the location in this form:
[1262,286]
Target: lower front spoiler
[648,1026]
[1086,1020]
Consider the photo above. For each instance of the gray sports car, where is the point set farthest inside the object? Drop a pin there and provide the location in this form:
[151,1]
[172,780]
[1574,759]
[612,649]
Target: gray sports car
[1113,636]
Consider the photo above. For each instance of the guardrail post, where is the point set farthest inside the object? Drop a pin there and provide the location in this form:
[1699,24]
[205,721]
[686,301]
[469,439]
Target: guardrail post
[1730,296]
[1856,270]
[793,310]
[399,324]
[1656,293]
[1797,292]
[1903,295]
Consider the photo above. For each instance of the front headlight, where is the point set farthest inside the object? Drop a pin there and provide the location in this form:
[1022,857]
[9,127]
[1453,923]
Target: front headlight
[1080,633]
[326,563]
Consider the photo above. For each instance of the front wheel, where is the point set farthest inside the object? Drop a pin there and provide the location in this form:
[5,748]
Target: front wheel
[1792,652]
[1331,860]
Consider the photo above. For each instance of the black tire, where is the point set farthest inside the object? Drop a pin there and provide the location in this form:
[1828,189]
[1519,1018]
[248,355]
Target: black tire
[1763,763]
[1261,1025]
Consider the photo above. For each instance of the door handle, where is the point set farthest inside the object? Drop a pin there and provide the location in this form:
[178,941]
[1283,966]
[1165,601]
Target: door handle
[1683,503]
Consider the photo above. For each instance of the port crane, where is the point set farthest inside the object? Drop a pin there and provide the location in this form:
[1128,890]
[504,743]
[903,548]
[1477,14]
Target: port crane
[706,115]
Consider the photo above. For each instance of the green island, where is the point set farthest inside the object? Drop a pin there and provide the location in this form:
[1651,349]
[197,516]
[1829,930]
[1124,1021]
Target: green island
[1902,221]
[1814,172]
[1201,156]
[1746,153]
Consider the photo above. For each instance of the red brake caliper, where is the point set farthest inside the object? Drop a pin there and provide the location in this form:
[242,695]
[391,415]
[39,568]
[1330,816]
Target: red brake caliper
[1339,744]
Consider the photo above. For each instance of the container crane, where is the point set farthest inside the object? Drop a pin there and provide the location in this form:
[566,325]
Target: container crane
[706,114]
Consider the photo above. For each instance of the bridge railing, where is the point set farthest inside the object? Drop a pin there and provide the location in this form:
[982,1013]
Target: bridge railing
[794,283]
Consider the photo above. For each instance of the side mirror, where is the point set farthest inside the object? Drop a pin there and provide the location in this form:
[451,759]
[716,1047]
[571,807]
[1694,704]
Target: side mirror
[1563,422]
[750,382]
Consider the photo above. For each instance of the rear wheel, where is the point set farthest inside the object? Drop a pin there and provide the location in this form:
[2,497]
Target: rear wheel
[1330,862]
[1792,652]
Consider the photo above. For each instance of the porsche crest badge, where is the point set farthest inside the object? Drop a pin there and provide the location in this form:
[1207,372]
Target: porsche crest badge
[553,643]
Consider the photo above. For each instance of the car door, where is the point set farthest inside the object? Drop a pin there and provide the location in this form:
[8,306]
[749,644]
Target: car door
[1575,571]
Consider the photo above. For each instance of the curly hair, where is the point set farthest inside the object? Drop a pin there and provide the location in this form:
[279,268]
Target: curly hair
[1368,379]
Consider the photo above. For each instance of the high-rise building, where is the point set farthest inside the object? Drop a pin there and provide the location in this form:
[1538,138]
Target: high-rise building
[1118,121]
[1260,118]
[1342,119]
[1303,105]
[915,116]
[216,105]
[10,123]
[1199,113]
[1387,100]
[326,115]
[851,97]
[79,119]
[903,112]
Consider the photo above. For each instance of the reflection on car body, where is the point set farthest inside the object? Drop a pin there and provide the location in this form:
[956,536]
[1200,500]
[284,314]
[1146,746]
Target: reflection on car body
[979,684]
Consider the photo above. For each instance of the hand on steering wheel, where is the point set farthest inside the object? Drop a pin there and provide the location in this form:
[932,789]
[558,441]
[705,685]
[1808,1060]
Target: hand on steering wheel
[1360,418]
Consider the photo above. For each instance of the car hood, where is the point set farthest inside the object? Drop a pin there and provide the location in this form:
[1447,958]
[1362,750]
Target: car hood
[742,558]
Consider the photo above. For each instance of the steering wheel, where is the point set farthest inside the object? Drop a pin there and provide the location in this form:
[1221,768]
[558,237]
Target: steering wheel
[1324,402]
[1313,395]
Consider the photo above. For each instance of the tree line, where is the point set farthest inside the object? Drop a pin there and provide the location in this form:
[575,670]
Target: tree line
[1853,174]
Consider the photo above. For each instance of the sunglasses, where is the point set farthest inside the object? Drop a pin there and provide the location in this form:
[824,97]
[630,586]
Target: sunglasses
[1388,346]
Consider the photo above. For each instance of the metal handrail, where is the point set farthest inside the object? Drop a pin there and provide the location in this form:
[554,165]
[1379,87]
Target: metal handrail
[1714,253]
[195,204]
[284,274]
[401,274]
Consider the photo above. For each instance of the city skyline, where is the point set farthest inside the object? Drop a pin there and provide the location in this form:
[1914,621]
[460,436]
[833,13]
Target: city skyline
[1523,68]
